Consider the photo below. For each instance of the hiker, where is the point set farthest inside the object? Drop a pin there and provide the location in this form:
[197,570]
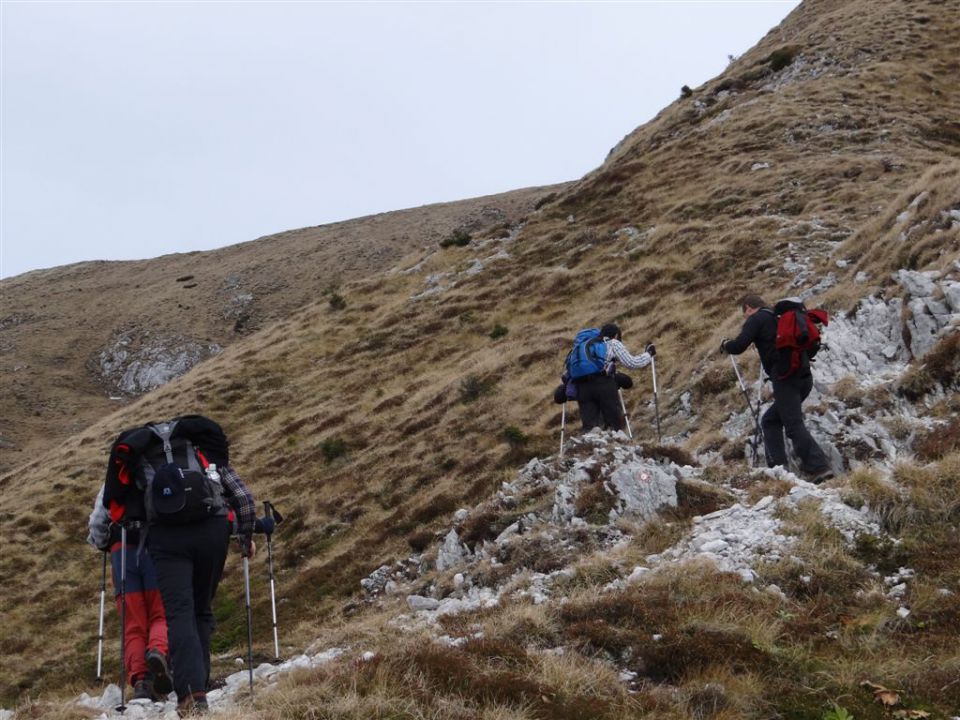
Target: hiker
[177,477]
[789,392]
[598,392]
[145,625]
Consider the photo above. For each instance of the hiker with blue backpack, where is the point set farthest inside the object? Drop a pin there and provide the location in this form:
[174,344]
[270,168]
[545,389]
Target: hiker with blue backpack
[591,375]
[787,339]
[174,482]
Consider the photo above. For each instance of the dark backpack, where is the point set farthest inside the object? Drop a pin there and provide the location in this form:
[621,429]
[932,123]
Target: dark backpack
[588,356]
[175,465]
[798,336]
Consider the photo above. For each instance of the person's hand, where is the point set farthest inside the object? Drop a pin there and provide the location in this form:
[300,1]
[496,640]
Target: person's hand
[723,346]
[248,548]
[651,350]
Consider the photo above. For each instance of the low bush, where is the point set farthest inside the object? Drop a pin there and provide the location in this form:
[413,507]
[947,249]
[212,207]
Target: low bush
[458,238]
[333,448]
[473,388]
[498,331]
[515,436]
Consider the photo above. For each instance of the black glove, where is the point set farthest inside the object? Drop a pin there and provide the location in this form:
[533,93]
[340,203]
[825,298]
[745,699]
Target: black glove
[651,350]
[624,382]
[723,344]
[245,544]
[264,525]
[560,394]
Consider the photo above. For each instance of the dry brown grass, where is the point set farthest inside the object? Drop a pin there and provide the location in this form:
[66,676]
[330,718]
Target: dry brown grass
[385,374]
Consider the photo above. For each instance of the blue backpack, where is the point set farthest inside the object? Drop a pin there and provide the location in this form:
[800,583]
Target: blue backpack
[589,354]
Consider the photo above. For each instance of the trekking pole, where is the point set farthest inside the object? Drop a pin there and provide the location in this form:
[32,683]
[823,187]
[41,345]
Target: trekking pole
[755,413]
[656,401]
[271,512]
[123,617]
[246,587]
[563,424]
[103,595]
[626,416]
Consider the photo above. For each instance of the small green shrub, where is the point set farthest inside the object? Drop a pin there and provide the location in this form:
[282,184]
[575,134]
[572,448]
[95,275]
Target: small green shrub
[685,91]
[498,331]
[458,238]
[838,713]
[515,436]
[779,59]
[333,448]
[337,302]
[473,387]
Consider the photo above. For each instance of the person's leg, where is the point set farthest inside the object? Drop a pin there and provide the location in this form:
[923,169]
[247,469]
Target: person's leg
[590,414]
[774,447]
[794,391]
[156,618]
[207,568]
[171,549]
[135,623]
[608,396]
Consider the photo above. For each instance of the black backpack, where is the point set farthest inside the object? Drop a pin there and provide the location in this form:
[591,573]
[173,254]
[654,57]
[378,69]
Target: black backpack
[176,467]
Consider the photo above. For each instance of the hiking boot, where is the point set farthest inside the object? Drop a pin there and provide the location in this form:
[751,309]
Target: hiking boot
[822,477]
[192,705]
[143,690]
[157,662]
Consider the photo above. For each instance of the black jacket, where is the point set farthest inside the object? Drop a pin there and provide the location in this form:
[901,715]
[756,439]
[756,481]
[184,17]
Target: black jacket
[760,329]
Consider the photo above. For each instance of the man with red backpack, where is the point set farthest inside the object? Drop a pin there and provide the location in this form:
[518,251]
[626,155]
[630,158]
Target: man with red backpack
[786,339]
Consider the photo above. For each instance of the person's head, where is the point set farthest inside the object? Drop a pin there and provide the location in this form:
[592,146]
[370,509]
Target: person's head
[749,304]
[610,330]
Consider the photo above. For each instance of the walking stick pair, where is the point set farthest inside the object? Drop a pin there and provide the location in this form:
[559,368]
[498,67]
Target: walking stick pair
[623,406]
[266,525]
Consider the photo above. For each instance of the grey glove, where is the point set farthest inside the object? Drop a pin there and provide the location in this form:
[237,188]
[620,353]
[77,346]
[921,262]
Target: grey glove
[651,350]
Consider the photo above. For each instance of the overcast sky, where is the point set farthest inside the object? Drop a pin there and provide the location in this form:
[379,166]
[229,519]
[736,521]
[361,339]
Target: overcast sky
[137,129]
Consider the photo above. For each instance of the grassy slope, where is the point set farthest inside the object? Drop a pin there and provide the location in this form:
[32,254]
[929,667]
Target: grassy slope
[56,322]
[869,119]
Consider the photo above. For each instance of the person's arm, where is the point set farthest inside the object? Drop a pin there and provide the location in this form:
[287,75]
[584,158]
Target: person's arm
[98,525]
[241,500]
[748,334]
[620,353]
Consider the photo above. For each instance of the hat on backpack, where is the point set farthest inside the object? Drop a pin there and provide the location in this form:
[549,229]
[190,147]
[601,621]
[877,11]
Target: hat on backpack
[610,330]
[169,494]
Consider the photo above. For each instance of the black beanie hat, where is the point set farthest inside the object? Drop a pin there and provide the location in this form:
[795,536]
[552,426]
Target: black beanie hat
[610,330]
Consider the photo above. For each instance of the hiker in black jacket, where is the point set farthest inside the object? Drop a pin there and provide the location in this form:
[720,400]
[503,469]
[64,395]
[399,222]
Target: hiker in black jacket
[786,413]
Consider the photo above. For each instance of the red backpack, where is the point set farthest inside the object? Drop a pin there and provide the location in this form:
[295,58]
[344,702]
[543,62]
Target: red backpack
[798,335]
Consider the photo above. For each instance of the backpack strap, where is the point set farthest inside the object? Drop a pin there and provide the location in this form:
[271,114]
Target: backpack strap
[164,431]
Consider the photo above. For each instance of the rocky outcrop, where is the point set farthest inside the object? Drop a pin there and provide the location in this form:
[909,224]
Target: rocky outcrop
[137,361]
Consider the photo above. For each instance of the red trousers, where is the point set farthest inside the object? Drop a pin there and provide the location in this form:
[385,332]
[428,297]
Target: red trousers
[146,623]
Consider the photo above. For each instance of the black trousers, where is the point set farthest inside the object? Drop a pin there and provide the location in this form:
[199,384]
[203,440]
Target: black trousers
[599,400]
[189,560]
[786,416]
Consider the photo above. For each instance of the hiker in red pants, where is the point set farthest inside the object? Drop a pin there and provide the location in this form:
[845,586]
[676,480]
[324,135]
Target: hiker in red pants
[145,634]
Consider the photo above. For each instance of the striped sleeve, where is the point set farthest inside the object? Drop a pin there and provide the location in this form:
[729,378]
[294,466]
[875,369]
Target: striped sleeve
[623,356]
[241,500]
